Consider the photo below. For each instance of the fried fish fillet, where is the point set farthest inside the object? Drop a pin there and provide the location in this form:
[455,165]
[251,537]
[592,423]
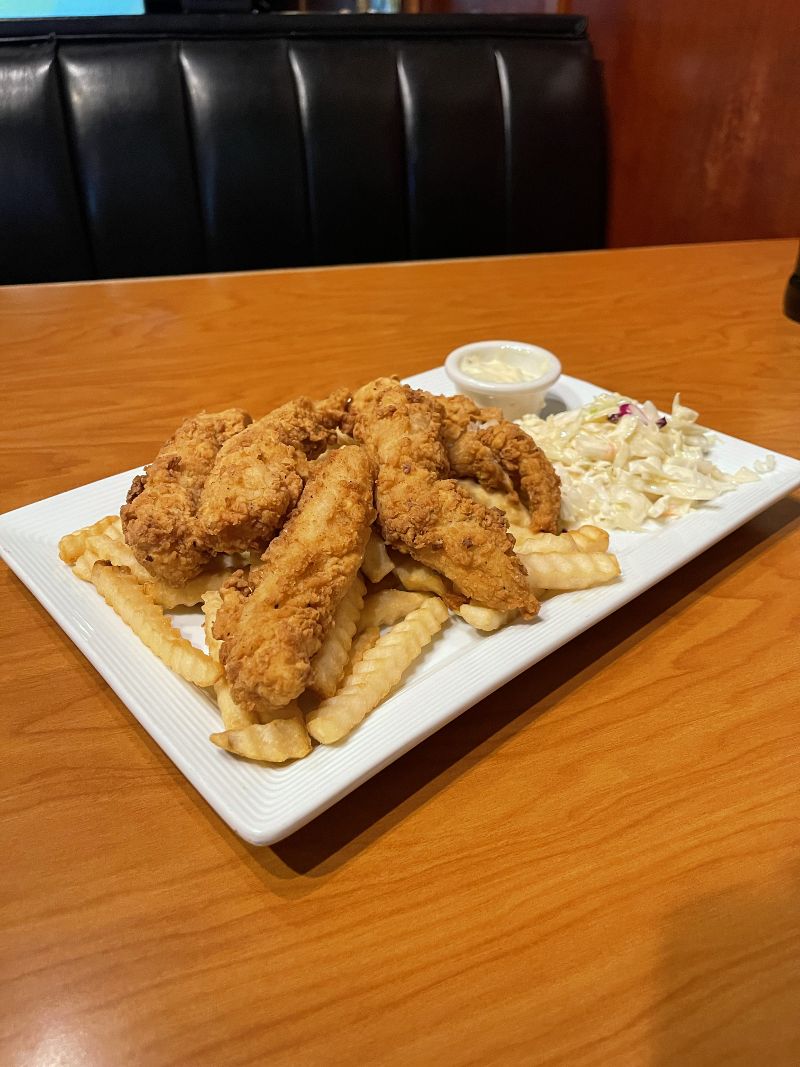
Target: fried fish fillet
[159,518]
[468,456]
[272,622]
[258,476]
[425,513]
[483,445]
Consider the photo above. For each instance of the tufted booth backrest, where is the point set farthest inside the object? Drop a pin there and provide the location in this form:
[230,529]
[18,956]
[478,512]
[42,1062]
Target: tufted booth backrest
[185,144]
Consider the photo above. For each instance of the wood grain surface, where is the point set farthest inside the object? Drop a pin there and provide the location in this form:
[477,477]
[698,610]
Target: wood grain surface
[597,865]
[703,111]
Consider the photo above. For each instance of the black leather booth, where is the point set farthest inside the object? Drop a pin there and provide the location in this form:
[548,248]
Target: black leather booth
[163,145]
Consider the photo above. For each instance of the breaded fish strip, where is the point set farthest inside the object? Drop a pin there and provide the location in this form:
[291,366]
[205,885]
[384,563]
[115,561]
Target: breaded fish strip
[159,519]
[271,626]
[481,444]
[422,511]
[467,455]
[258,476]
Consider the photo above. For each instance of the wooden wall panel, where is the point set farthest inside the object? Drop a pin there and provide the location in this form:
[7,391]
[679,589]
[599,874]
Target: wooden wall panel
[490,7]
[704,113]
[704,106]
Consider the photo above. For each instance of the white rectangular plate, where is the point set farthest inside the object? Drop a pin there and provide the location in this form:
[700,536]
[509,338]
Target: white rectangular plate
[264,804]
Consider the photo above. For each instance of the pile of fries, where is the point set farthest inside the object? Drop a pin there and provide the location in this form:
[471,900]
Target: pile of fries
[392,611]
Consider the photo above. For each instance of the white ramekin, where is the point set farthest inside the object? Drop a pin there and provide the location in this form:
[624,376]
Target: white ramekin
[515,398]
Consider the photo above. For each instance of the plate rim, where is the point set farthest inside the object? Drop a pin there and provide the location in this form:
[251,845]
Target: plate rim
[276,825]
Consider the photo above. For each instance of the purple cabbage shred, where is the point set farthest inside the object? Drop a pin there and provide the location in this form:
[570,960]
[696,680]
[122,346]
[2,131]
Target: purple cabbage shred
[627,409]
[624,409]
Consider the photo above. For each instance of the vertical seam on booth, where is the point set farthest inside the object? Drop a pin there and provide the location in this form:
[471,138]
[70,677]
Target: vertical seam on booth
[76,172]
[505,99]
[190,136]
[301,98]
[406,115]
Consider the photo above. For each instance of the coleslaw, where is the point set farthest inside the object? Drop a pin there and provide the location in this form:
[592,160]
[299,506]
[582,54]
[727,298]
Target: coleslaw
[622,462]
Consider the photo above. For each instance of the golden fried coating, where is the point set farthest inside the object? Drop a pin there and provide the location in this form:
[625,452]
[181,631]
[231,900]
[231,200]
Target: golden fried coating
[531,472]
[459,413]
[468,456]
[481,444]
[258,476]
[423,512]
[159,519]
[272,623]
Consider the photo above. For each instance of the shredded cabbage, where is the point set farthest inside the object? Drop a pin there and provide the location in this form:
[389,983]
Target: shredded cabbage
[622,463]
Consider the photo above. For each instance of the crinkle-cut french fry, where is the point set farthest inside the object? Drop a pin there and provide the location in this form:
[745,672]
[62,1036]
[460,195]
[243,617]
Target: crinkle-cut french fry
[130,601]
[417,578]
[234,716]
[211,603]
[329,663]
[114,530]
[73,545]
[361,645]
[377,672]
[487,619]
[514,510]
[590,539]
[584,539]
[102,547]
[271,742]
[177,596]
[82,568]
[388,606]
[520,534]
[526,541]
[376,563]
[575,570]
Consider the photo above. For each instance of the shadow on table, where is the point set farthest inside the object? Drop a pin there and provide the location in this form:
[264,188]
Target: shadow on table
[360,818]
[728,984]
[385,800]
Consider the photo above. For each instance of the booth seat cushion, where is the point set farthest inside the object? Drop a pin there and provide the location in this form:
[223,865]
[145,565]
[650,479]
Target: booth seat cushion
[179,145]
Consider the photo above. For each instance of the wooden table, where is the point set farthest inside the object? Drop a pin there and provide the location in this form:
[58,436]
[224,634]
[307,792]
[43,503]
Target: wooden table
[597,865]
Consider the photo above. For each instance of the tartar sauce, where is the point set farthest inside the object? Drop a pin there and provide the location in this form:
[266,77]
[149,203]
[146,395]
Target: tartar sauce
[496,369]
